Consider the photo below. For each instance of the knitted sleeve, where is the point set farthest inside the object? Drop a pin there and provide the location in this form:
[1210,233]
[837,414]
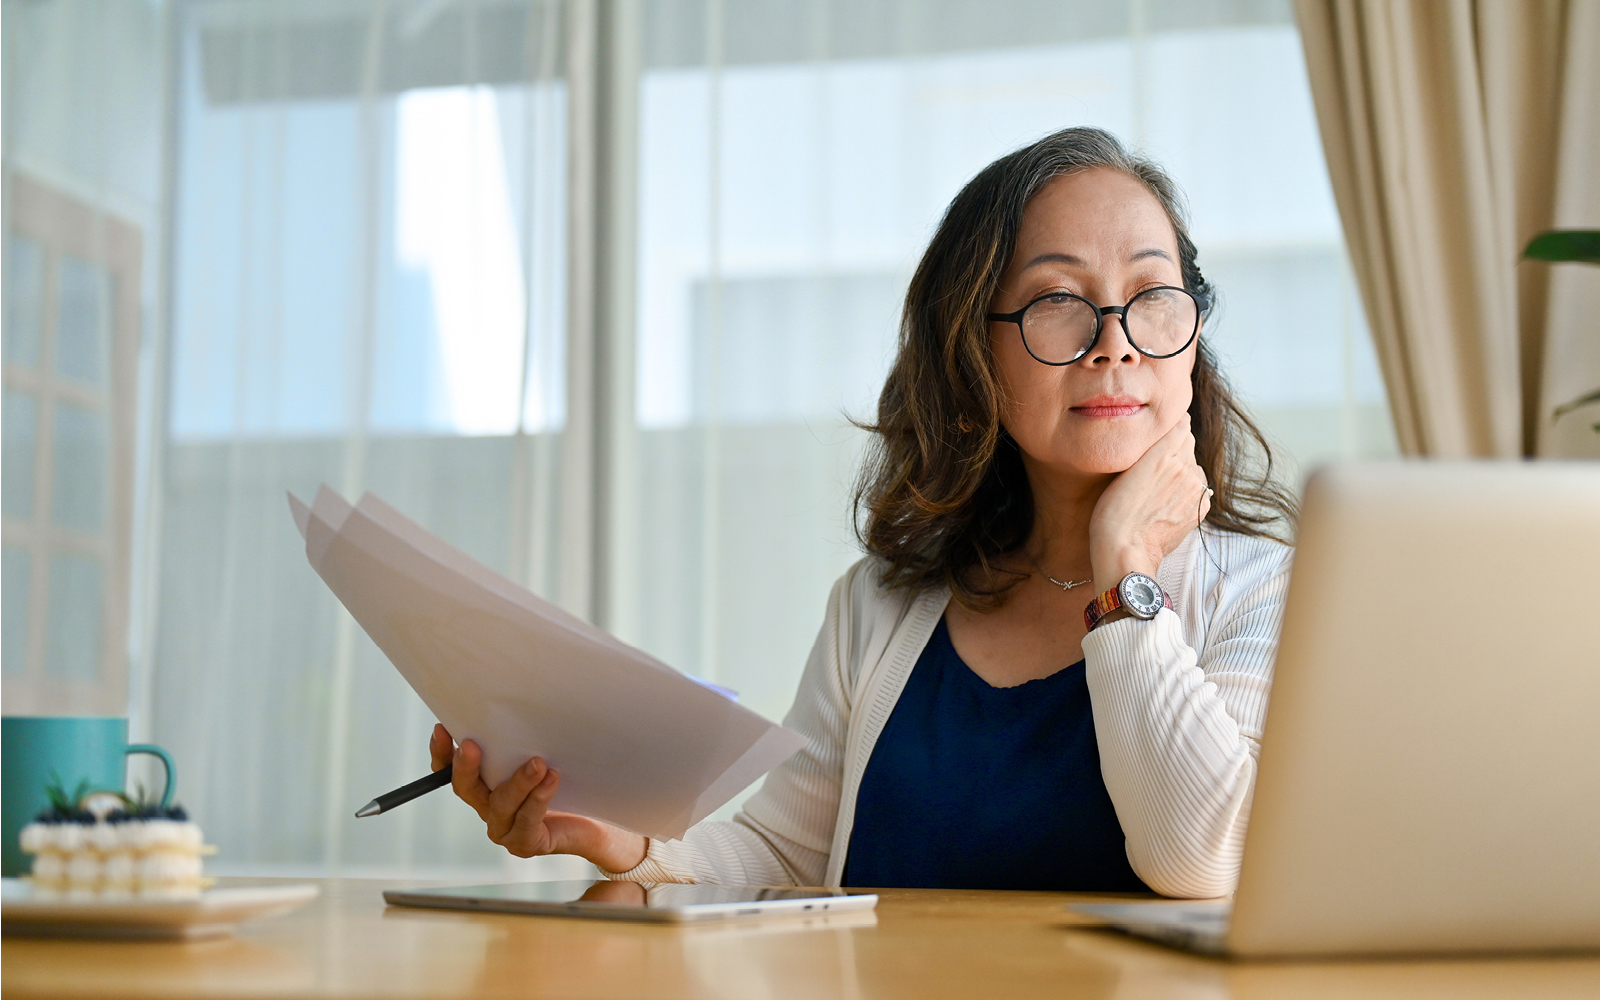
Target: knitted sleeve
[1179,731]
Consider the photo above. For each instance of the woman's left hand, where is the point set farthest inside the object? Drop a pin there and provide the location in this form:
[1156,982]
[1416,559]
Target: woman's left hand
[1148,510]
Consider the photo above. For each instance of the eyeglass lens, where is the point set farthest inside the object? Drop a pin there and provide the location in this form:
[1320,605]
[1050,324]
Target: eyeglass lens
[1158,322]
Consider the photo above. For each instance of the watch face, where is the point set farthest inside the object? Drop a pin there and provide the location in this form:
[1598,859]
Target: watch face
[1140,595]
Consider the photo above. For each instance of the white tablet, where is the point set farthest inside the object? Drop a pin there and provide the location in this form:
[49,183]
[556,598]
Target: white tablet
[657,902]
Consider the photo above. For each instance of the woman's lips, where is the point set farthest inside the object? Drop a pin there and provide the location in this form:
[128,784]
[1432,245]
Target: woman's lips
[1108,406]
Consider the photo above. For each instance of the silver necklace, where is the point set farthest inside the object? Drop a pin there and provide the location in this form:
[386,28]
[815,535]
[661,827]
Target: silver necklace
[1063,584]
[1068,584]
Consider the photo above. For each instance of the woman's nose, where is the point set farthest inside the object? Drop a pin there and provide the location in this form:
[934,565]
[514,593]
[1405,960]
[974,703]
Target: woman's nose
[1113,344]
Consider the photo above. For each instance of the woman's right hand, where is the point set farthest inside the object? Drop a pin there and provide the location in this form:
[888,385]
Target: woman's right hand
[517,811]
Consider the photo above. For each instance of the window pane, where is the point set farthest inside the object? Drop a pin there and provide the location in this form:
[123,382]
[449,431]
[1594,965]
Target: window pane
[83,321]
[72,632]
[1293,338]
[21,436]
[24,305]
[467,318]
[793,348]
[16,584]
[82,468]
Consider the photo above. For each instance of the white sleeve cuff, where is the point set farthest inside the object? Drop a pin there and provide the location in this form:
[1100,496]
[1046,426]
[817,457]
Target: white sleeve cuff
[658,865]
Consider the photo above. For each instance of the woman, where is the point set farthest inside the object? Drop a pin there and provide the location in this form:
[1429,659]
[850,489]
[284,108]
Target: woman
[1053,430]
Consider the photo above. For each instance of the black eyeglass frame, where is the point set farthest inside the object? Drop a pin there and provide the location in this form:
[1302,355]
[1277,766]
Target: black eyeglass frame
[1099,323]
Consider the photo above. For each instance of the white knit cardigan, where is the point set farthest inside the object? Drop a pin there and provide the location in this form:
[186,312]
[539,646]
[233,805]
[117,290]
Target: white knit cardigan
[1178,701]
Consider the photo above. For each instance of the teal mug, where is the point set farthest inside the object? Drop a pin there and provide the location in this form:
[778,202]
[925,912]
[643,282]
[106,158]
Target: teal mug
[36,751]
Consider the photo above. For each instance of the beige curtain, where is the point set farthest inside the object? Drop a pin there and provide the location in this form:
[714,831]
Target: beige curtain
[1572,344]
[1454,129]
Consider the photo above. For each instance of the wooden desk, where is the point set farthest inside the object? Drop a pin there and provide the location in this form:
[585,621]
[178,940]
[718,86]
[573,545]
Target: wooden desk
[920,944]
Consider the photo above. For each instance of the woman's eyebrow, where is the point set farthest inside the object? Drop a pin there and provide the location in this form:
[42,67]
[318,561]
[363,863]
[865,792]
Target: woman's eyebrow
[1071,261]
[1054,258]
[1151,252]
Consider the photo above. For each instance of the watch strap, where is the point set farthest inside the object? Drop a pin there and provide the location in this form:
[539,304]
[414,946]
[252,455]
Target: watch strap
[1110,601]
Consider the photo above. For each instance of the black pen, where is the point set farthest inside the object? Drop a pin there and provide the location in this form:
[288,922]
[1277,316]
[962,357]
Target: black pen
[405,793]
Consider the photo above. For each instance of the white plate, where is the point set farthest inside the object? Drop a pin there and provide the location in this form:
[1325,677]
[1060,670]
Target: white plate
[211,914]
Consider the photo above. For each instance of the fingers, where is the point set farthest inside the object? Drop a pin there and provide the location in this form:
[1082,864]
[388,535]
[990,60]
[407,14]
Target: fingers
[511,795]
[1176,444]
[465,780]
[440,747]
[1173,439]
[1182,440]
[514,811]
[528,834]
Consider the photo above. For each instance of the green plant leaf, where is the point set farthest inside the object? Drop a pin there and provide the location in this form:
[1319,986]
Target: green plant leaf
[1581,245]
[1568,407]
[57,795]
[143,800]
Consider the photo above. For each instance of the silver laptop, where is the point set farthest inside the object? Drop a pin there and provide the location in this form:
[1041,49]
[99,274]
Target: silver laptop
[1430,770]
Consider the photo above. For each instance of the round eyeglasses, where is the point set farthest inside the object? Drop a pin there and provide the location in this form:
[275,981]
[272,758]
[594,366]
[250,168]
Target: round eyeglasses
[1060,328]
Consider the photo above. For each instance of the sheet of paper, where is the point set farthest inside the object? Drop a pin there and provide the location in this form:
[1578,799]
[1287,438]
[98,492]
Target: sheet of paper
[637,743]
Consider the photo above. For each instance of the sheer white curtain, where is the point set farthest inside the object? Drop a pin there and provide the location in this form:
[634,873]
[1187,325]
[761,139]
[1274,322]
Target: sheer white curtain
[368,290]
[793,160]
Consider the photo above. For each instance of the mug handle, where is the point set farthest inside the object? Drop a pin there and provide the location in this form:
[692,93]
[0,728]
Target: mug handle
[166,761]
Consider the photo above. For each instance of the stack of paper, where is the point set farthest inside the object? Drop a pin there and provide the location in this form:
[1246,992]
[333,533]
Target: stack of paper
[637,743]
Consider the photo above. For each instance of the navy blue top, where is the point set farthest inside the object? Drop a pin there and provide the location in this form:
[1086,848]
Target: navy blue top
[979,787]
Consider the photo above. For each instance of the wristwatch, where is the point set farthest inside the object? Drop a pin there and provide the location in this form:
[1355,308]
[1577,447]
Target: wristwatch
[1142,596]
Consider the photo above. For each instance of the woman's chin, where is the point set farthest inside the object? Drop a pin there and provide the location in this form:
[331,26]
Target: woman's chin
[1102,458]
[1108,467]
[1092,451]
[1091,463]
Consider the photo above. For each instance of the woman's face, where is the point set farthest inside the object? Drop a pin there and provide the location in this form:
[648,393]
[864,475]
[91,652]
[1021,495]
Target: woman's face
[1102,235]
